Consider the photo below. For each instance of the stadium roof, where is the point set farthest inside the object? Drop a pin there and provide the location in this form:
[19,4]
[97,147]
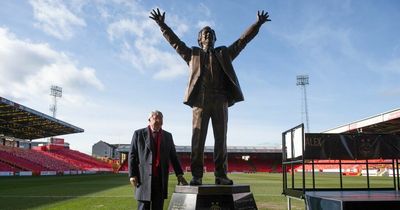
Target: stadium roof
[21,122]
[387,122]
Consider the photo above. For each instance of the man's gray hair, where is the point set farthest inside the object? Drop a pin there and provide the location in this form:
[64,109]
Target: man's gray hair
[155,113]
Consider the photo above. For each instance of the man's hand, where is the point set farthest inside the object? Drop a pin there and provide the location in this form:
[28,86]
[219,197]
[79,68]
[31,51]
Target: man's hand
[157,16]
[134,181]
[262,17]
[181,180]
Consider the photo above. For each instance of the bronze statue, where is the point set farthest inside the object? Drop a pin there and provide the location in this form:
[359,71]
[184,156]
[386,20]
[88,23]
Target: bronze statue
[213,87]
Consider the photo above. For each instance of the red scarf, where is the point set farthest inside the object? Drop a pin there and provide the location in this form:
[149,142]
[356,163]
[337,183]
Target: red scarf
[156,151]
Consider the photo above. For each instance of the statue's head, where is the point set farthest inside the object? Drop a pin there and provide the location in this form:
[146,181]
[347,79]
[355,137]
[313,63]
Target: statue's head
[207,37]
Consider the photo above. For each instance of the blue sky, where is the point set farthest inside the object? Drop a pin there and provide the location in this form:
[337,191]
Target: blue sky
[115,67]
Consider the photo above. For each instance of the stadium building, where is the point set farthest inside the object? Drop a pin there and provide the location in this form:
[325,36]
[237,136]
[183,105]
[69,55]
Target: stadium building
[105,150]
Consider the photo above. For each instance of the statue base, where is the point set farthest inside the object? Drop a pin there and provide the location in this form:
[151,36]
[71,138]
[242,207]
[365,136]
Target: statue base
[214,197]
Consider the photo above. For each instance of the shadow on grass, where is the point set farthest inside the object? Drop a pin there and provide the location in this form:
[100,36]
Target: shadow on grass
[34,192]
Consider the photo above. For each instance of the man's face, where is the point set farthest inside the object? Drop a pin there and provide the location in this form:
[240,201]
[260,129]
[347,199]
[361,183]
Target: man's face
[156,121]
[207,38]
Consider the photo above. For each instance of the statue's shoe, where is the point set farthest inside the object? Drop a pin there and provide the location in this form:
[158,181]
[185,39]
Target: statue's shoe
[223,181]
[196,181]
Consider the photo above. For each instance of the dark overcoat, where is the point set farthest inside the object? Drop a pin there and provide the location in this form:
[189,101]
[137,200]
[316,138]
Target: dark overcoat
[141,160]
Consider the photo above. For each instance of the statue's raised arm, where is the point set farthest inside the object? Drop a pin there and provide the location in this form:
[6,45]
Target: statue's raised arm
[157,16]
[262,17]
[236,47]
[180,47]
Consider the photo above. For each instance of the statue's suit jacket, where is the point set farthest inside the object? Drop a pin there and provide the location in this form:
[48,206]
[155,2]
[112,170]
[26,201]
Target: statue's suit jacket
[225,55]
[140,162]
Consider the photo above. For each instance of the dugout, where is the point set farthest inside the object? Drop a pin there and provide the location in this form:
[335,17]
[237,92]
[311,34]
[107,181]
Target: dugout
[305,149]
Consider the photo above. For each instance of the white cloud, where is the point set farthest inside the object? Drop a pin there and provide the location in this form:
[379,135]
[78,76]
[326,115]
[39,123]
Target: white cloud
[54,18]
[28,69]
[119,29]
[203,23]
[140,43]
[111,10]
[204,10]
[205,13]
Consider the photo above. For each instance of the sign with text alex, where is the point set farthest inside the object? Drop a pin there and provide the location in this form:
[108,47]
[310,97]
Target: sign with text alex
[351,146]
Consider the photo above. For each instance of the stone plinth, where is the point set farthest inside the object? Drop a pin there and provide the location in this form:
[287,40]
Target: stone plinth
[212,197]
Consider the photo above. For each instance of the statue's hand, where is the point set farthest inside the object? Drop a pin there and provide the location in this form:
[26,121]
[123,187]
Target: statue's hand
[262,17]
[157,16]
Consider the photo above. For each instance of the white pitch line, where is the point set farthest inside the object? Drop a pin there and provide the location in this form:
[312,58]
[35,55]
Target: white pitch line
[93,196]
[64,196]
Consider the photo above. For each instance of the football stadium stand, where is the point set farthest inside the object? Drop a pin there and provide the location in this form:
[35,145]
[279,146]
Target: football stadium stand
[82,160]
[31,160]
[241,159]
[124,166]
[19,125]
[6,167]
[61,160]
[15,157]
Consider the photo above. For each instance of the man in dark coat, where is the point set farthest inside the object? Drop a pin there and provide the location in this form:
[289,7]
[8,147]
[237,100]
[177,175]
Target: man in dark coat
[151,151]
[213,87]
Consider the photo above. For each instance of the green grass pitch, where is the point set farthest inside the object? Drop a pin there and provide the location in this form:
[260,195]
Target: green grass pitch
[113,191]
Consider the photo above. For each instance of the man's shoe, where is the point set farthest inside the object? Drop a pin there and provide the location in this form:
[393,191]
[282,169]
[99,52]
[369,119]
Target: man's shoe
[196,181]
[223,181]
